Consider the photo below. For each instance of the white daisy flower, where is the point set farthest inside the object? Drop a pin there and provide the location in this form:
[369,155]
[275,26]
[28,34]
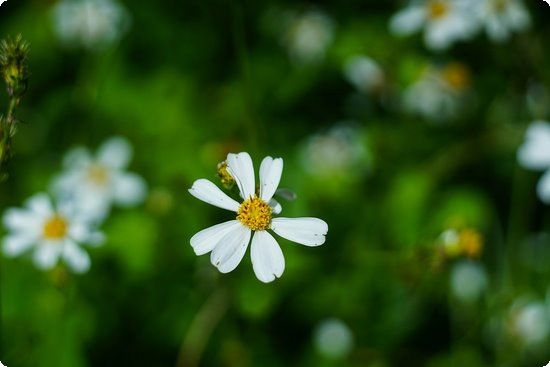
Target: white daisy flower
[503,17]
[52,232]
[97,182]
[364,73]
[438,93]
[90,23]
[308,36]
[535,154]
[444,21]
[228,241]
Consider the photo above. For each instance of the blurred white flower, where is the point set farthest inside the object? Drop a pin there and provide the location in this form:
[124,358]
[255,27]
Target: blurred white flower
[308,36]
[339,150]
[444,21]
[228,241]
[364,73]
[90,23]
[530,322]
[96,183]
[502,17]
[468,281]
[534,154]
[54,232]
[438,93]
[333,339]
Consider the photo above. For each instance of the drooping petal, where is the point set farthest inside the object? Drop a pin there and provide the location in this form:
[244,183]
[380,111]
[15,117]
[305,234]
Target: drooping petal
[46,255]
[207,239]
[535,151]
[230,250]
[129,189]
[306,231]
[115,153]
[268,261]
[75,257]
[270,176]
[206,191]
[241,168]
[15,244]
[408,20]
[543,188]
[276,207]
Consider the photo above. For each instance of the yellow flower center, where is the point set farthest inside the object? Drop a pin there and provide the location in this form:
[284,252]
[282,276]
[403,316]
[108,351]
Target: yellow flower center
[437,9]
[224,175]
[255,214]
[98,174]
[55,228]
[500,5]
[457,76]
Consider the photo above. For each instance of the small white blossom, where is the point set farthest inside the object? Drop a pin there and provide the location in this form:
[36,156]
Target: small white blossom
[308,36]
[535,154]
[339,150]
[90,23]
[438,93]
[97,182]
[530,322]
[363,73]
[228,241]
[333,339]
[503,17]
[52,232]
[468,281]
[444,21]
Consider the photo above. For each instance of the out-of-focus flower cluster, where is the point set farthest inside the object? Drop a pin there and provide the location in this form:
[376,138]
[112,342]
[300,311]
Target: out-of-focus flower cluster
[55,227]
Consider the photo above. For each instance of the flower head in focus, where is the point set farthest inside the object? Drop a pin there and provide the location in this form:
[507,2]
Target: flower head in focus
[228,241]
[503,17]
[307,36]
[534,154]
[53,231]
[97,182]
[90,23]
[444,21]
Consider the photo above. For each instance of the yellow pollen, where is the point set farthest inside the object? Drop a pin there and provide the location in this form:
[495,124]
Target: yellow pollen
[437,9]
[457,76]
[255,214]
[98,174]
[224,175]
[55,228]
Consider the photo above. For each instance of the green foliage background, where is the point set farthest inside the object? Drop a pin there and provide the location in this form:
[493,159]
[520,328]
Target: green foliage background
[191,81]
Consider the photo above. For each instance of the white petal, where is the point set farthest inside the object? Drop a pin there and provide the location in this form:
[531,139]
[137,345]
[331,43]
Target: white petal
[307,231]
[82,232]
[231,249]
[205,240]
[543,187]
[129,189]
[75,257]
[241,168]
[40,204]
[267,258]
[408,20]
[115,153]
[77,158]
[535,151]
[16,244]
[46,255]
[22,220]
[209,193]
[270,176]
[276,208]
